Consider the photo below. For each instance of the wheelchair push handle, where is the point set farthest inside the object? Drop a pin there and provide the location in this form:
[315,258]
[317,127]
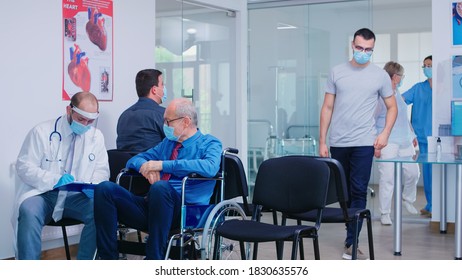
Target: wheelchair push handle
[231,150]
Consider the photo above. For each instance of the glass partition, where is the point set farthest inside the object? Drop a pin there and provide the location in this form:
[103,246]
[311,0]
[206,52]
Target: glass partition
[195,51]
[291,51]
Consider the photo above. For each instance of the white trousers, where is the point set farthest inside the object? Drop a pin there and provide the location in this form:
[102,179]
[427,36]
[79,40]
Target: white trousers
[410,175]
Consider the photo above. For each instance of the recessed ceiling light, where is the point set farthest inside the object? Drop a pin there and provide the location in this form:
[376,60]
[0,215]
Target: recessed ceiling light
[282,26]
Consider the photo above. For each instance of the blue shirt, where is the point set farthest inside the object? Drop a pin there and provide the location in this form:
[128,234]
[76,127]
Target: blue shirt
[420,95]
[199,154]
[140,127]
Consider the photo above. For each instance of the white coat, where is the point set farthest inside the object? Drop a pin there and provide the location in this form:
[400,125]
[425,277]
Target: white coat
[40,163]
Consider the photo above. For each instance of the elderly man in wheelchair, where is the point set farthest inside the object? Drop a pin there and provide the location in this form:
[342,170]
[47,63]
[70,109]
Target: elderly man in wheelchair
[185,150]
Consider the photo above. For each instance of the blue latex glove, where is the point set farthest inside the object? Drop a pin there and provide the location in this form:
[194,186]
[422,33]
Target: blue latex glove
[90,193]
[64,180]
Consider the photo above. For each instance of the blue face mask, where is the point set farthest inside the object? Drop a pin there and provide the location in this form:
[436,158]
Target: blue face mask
[164,98]
[79,128]
[428,72]
[361,57]
[168,130]
[400,82]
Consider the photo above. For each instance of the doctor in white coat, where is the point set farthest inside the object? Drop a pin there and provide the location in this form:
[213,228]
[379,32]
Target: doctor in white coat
[55,153]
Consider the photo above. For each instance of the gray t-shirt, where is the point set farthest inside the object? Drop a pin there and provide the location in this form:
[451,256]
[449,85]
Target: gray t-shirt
[356,90]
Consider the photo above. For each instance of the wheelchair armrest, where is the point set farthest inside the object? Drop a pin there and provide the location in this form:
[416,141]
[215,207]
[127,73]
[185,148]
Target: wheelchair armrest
[200,177]
[127,172]
[130,172]
[197,177]
[231,150]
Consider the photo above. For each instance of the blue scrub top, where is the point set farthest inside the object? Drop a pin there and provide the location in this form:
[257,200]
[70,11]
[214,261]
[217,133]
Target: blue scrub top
[420,96]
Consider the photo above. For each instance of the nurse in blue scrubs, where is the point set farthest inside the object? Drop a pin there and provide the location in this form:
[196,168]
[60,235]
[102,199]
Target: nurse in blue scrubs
[420,96]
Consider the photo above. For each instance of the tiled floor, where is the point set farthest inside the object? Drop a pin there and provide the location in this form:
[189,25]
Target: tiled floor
[418,241]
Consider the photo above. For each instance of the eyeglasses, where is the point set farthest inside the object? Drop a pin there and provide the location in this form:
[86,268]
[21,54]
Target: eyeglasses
[366,50]
[401,75]
[426,66]
[170,121]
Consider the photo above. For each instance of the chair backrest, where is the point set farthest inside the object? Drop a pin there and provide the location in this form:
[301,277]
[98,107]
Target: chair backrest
[138,185]
[338,188]
[292,184]
[117,161]
[235,179]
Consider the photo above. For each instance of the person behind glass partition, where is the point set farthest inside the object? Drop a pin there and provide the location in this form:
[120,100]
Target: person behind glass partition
[420,96]
[401,143]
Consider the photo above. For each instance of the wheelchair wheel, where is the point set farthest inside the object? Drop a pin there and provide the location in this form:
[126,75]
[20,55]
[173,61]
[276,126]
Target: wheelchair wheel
[227,249]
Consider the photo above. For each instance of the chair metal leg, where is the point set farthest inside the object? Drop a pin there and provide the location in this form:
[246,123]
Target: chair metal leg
[317,255]
[139,236]
[369,237]
[243,251]
[66,243]
[279,249]
[255,250]
[302,251]
[354,249]
[295,244]
[361,217]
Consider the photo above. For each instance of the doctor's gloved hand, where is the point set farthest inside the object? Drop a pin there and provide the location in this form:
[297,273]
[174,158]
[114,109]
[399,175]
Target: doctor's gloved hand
[65,179]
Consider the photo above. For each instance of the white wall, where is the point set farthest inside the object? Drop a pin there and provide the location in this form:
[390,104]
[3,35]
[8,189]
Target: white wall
[31,75]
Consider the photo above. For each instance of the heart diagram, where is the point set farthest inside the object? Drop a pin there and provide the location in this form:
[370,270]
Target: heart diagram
[95,28]
[78,69]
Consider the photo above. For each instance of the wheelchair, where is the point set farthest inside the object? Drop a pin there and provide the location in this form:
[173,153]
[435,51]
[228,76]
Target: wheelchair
[195,239]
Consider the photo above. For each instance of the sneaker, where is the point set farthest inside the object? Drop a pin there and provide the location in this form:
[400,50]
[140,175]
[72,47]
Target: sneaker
[347,253]
[385,220]
[425,212]
[410,207]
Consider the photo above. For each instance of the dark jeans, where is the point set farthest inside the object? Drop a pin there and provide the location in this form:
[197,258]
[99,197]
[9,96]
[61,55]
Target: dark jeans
[357,163]
[156,214]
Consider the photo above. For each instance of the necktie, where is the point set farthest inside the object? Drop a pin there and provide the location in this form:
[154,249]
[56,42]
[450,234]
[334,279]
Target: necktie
[174,155]
[59,206]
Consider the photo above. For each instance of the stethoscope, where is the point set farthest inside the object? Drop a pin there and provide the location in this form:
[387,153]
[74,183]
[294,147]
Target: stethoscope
[57,135]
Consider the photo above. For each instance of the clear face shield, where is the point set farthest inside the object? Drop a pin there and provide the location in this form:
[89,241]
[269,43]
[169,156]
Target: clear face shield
[82,121]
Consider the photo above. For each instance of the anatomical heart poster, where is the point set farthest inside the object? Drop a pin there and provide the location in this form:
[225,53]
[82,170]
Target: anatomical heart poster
[87,48]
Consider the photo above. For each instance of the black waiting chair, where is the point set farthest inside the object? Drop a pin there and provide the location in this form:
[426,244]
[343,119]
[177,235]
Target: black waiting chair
[235,181]
[337,209]
[63,223]
[137,185]
[290,184]
[117,161]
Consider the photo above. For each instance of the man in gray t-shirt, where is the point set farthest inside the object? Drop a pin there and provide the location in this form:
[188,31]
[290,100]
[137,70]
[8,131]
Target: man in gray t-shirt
[352,92]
